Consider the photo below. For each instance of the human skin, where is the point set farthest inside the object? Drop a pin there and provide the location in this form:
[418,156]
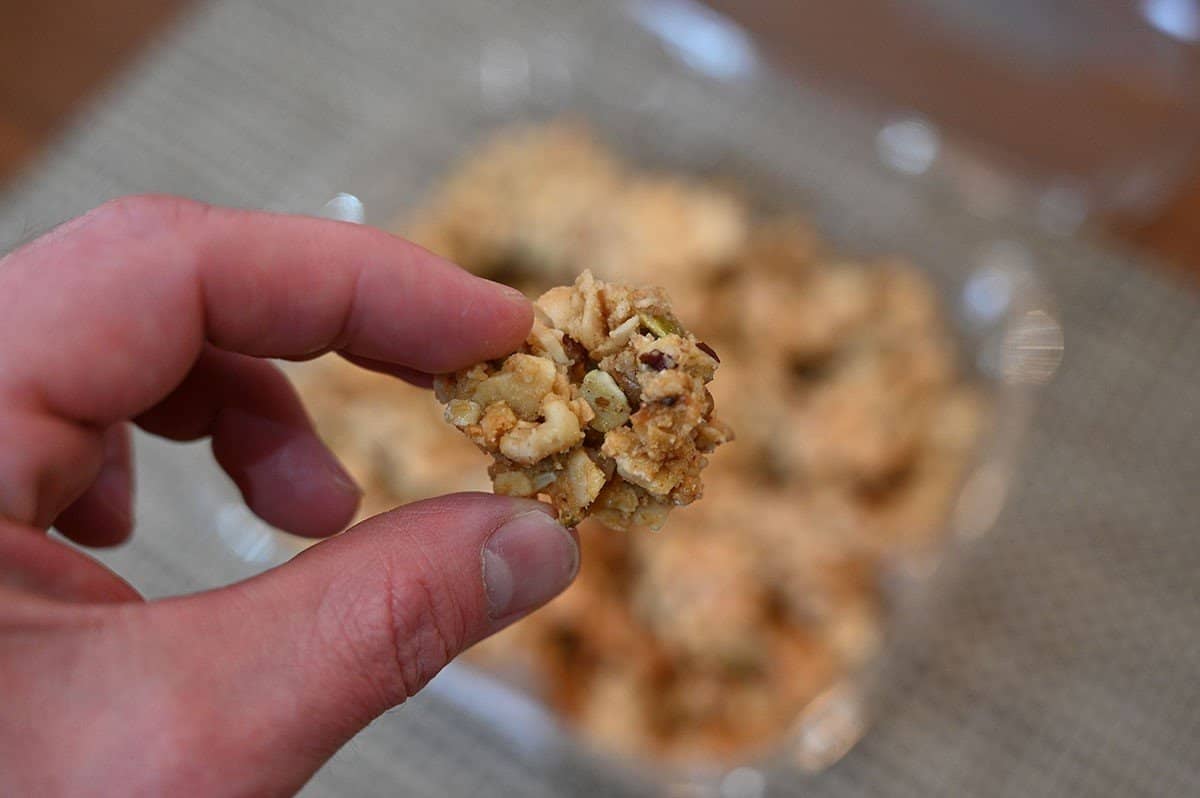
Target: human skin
[160,312]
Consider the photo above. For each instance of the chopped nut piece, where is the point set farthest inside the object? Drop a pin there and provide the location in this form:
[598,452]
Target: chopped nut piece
[577,487]
[522,384]
[558,432]
[659,325]
[513,483]
[600,391]
[463,412]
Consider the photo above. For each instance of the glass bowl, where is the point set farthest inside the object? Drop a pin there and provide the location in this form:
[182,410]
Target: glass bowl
[687,91]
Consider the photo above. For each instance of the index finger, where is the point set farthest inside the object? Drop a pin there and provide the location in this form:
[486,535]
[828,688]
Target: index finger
[103,318]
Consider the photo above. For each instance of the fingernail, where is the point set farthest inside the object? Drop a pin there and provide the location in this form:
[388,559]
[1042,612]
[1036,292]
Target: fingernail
[114,490]
[510,293]
[121,512]
[339,477]
[527,562]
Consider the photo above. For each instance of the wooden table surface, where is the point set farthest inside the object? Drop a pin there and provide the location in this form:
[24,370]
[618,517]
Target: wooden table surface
[55,54]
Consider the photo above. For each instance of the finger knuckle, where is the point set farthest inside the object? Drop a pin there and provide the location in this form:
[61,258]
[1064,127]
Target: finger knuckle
[400,629]
[427,625]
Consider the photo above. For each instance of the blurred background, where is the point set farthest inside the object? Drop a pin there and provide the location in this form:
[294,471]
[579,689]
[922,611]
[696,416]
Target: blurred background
[988,140]
[1092,104]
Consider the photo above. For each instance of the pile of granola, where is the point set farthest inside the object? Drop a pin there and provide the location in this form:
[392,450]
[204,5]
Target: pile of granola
[854,428]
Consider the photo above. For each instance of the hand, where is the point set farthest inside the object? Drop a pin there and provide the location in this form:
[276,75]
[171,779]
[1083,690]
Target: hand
[158,311]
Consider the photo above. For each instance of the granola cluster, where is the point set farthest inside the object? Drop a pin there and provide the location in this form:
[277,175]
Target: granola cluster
[604,410]
[854,421]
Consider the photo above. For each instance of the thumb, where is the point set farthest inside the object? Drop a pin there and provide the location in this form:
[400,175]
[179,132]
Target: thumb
[271,676]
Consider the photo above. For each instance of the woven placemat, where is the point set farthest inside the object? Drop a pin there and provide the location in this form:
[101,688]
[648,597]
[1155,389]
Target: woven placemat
[1066,655]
